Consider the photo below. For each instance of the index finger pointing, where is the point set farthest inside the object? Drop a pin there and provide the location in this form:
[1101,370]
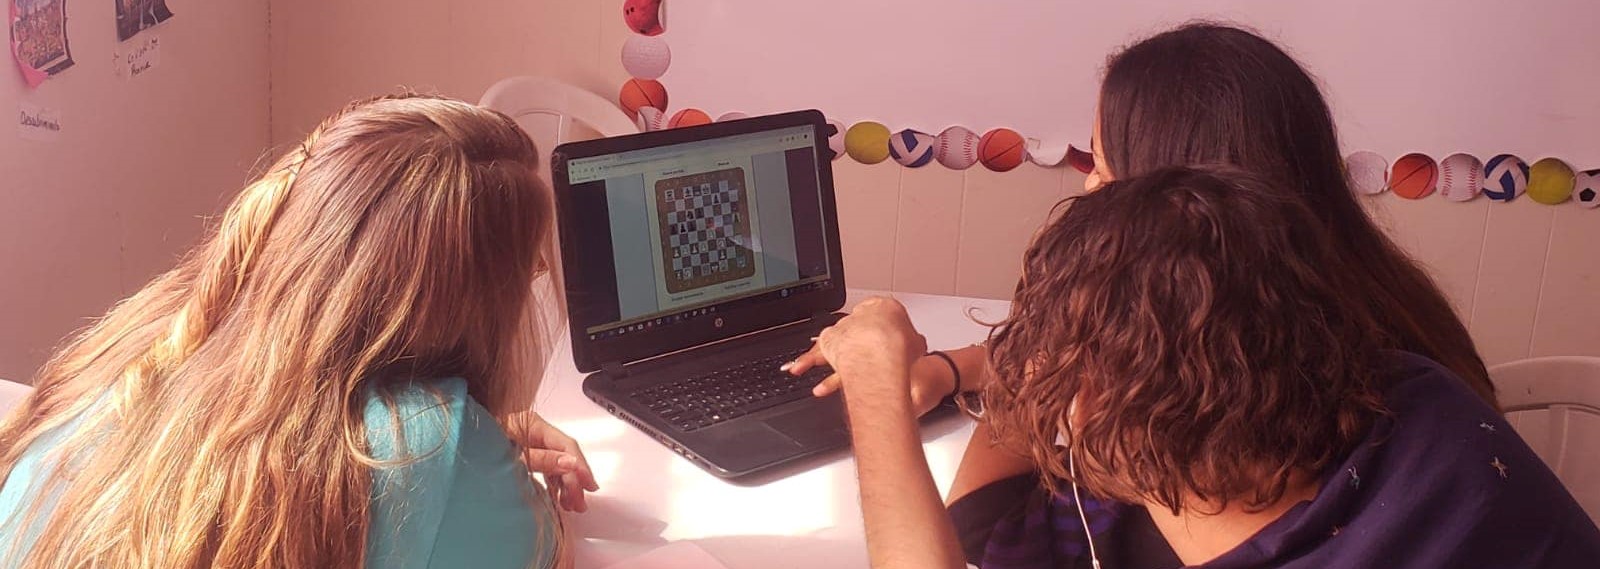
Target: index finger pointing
[811,359]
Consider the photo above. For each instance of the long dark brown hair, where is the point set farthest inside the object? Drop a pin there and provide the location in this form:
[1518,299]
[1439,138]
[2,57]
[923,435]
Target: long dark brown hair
[1208,93]
[1201,321]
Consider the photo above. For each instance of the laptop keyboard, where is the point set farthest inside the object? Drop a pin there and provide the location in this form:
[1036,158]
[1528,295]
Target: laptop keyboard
[705,400]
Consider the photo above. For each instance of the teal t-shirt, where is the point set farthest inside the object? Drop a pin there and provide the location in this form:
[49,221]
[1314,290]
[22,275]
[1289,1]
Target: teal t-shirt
[456,496]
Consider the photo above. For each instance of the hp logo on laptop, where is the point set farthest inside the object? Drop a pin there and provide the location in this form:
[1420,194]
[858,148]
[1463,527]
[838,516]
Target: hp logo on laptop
[717,322]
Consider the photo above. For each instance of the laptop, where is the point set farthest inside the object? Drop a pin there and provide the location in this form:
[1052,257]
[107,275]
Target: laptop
[697,261]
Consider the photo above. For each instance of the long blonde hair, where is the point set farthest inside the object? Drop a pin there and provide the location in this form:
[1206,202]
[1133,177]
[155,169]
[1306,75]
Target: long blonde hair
[402,239]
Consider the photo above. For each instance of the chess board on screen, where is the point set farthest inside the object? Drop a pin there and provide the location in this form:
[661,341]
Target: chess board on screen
[704,220]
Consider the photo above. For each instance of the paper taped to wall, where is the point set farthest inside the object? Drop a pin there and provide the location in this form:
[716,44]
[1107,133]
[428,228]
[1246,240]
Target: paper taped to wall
[134,16]
[39,38]
[137,58]
[37,123]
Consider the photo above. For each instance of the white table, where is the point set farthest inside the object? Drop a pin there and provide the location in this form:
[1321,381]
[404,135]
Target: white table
[649,496]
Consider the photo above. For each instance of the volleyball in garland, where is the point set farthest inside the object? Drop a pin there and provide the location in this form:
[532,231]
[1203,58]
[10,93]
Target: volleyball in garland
[1505,177]
[911,148]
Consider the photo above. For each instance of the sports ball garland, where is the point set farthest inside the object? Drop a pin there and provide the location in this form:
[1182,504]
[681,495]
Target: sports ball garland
[645,17]
[1462,177]
[1002,149]
[688,117]
[1550,181]
[911,148]
[1458,177]
[867,142]
[836,140]
[1505,177]
[646,57]
[1587,188]
[1415,176]
[1368,172]
[637,93]
[957,148]
[650,119]
[1080,160]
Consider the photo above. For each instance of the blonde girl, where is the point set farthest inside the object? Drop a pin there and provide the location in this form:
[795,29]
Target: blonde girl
[340,375]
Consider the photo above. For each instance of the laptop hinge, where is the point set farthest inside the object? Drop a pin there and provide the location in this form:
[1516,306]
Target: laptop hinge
[822,317]
[614,369]
[721,342]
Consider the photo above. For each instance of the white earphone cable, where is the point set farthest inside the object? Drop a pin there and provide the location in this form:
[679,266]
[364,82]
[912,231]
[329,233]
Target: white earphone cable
[1094,558]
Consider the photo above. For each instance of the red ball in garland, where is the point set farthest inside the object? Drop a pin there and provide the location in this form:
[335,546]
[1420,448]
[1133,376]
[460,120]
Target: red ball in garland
[644,16]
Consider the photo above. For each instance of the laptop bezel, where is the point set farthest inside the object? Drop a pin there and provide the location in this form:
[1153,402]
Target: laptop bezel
[728,321]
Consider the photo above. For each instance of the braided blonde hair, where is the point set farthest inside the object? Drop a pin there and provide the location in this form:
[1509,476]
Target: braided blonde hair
[401,240]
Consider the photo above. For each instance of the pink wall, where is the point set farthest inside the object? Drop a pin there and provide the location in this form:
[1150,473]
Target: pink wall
[1435,76]
[357,48]
[88,218]
[1525,276]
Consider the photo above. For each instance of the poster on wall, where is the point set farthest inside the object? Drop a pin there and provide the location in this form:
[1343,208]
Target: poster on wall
[39,38]
[134,16]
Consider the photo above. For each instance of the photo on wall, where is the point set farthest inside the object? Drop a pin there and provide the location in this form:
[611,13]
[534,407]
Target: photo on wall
[39,38]
[134,16]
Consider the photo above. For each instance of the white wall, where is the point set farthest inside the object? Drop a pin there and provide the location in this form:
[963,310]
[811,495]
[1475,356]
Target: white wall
[1434,76]
[1524,276]
[326,53]
[90,217]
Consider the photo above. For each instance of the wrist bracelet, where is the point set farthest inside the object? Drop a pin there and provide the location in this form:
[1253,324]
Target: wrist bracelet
[953,369]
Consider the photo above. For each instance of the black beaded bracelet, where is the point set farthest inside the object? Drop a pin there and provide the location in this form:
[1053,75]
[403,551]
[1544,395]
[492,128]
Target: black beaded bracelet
[953,369]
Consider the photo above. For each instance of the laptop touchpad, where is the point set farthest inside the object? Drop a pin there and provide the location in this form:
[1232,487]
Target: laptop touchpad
[814,425]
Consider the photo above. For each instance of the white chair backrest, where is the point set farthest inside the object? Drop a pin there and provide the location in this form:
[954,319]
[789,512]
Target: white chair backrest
[1554,404]
[11,394]
[553,112]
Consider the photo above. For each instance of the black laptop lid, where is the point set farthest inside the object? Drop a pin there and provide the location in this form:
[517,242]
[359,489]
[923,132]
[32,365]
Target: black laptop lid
[676,238]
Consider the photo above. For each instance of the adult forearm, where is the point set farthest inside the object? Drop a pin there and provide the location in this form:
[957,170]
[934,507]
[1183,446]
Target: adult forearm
[985,462]
[906,523]
[973,361]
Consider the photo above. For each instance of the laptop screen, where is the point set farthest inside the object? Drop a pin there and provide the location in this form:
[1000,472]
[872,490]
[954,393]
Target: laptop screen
[696,229]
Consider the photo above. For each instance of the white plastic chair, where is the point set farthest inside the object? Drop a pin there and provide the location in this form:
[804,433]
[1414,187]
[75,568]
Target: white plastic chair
[1554,404]
[553,112]
[11,394]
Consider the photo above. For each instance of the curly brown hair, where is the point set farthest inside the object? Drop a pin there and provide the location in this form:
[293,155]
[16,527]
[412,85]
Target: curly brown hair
[1199,319]
[1205,93]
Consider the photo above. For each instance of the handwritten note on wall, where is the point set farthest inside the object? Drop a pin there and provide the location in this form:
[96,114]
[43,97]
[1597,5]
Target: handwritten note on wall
[38,123]
[137,57]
